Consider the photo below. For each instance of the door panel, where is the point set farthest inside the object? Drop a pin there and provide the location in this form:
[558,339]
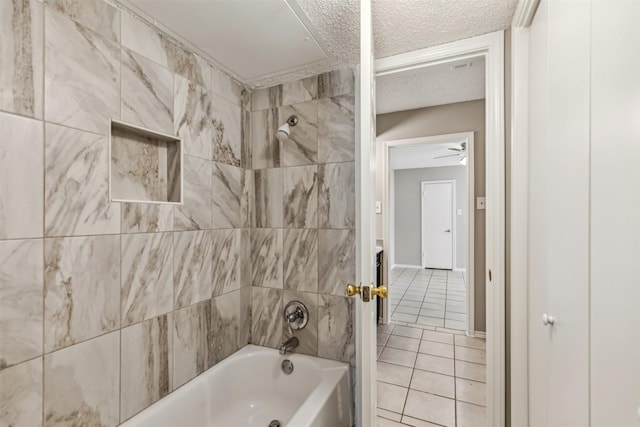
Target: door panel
[615,214]
[437,225]
[567,178]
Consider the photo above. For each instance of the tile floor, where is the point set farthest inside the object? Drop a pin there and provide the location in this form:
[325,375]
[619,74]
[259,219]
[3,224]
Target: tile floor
[428,297]
[429,372]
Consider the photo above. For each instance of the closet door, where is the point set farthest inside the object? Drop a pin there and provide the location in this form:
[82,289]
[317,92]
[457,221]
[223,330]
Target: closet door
[559,214]
[615,214]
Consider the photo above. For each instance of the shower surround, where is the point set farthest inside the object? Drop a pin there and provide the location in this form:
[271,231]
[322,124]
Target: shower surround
[107,307]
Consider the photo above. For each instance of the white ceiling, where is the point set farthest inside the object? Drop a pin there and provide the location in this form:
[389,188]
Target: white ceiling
[265,42]
[423,156]
[436,85]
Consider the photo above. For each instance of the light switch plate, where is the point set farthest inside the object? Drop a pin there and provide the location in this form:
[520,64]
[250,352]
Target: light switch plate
[459,212]
[480,203]
[378,207]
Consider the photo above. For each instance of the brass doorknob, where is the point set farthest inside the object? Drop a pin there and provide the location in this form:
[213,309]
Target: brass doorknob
[353,290]
[380,291]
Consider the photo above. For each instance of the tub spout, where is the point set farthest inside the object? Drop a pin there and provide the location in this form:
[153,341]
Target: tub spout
[289,345]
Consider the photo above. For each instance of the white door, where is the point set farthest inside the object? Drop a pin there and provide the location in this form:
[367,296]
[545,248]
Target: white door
[559,178]
[365,392]
[437,224]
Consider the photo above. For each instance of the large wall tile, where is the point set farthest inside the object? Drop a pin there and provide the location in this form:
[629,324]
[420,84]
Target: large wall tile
[81,383]
[147,276]
[302,146]
[244,328]
[265,148]
[146,217]
[21,294]
[97,15]
[336,334]
[147,41]
[147,93]
[300,199]
[266,257]
[225,261]
[226,324]
[244,258]
[336,82]
[336,260]
[266,98]
[267,209]
[195,213]
[21,394]
[193,118]
[147,352]
[226,194]
[226,87]
[82,75]
[82,284]
[21,172]
[227,141]
[21,48]
[191,329]
[246,199]
[245,138]
[77,184]
[266,317]
[302,90]
[192,265]
[308,336]
[336,129]
[301,260]
[336,195]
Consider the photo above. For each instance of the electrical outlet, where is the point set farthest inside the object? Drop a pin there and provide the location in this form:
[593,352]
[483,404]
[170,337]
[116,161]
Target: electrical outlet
[378,207]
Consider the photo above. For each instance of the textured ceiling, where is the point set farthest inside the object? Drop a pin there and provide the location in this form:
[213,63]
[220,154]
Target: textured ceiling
[399,26]
[441,84]
[423,156]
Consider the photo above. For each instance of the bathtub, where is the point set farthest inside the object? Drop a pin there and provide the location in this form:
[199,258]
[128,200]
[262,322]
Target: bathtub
[249,389]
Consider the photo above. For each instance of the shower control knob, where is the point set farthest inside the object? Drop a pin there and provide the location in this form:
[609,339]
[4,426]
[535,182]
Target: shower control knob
[548,320]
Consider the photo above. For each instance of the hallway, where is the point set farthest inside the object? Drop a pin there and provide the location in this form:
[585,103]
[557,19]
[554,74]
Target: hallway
[429,372]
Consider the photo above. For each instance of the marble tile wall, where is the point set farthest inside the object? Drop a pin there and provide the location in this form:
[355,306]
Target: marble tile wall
[303,235]
[107,307]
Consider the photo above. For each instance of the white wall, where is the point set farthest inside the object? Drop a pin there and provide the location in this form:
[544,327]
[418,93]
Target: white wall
[407,210]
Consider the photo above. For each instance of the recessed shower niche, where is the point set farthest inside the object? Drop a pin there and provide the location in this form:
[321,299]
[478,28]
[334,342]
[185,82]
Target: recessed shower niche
[144,166]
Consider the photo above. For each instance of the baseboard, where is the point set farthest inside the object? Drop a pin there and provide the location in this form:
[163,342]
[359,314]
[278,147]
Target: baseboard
[479,334]
[405,266]
[462,270]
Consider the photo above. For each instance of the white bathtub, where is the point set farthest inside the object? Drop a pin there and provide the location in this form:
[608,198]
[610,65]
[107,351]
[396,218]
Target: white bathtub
[249,389]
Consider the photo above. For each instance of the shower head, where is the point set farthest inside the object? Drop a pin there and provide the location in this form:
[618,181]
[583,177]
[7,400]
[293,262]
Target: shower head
[284,131]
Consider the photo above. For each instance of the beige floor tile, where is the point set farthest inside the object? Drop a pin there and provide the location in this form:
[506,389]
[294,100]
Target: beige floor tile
[455,324]
[407,309]
[473,342]
[460,317]
[408,303]
[403,317]
[437,337]
[394,374]
[431,321]
[379,352]
[431,382]
[405,331]
[471,391]
[429,407]
[382,338]
[416,422]
[437,364]
[471,371]
[383,422]
[391,397]
[403,343]
[393,416]
[386,328]
[471,415]
[436,349]
[398,357]
[471,355]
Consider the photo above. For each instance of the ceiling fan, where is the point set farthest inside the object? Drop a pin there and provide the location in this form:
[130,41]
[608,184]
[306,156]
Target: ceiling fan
[460,152]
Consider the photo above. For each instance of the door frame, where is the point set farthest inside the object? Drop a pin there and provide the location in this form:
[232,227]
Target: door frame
[491,47]
[453,218]
[388,201]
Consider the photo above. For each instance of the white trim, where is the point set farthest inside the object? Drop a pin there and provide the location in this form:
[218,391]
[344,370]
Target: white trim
[491,46]
[405,266]
[453,219]
[525,11]
[480,334]
[460,270]
[519,319]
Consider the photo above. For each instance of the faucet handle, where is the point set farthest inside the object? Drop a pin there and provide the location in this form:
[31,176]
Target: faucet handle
[296,315]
